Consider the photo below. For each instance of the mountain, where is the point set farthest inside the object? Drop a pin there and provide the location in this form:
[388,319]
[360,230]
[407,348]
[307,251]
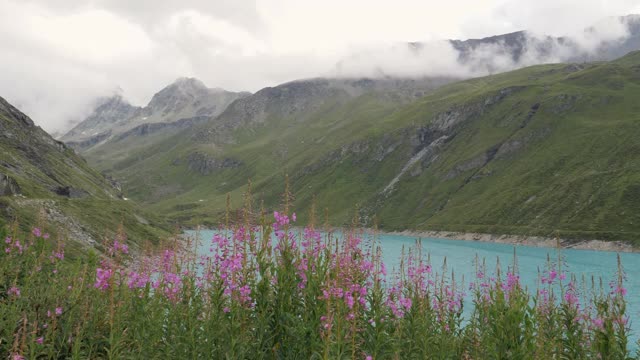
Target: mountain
[186,100]
[38,173]
[295,99]
[607,40]
[109,113]
[545,150]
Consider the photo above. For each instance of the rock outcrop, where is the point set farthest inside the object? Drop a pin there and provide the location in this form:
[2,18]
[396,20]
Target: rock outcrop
[204,164]
[8,186]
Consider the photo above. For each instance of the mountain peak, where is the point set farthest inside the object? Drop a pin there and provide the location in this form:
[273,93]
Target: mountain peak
[189,81]
[109,111]
[182,91]
[114,100]
[187,85]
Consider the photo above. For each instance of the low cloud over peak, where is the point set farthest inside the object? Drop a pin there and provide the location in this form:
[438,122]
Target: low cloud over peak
[60,55]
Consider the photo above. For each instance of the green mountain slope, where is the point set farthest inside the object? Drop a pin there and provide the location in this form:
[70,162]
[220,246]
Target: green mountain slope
[545,150]
[38,173]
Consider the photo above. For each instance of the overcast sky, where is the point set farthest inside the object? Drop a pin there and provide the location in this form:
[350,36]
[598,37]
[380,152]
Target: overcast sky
[57,56]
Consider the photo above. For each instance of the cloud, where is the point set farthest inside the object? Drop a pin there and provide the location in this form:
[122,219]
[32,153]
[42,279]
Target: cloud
[59,55]
[437,58]
[603,39]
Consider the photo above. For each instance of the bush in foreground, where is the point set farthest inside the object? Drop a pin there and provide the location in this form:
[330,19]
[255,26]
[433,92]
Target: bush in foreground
[270,291]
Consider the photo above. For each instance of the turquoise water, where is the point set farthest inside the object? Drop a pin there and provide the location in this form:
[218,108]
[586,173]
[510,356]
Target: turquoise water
[460,257]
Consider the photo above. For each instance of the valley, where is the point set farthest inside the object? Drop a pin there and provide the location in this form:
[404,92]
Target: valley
[547,150]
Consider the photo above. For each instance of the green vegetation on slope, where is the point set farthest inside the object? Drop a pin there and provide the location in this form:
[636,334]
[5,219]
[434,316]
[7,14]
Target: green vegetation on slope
[41,180]
[545,150]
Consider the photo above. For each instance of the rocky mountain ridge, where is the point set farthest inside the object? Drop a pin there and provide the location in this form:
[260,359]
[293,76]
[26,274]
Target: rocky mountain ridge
[186,98]
[523,48]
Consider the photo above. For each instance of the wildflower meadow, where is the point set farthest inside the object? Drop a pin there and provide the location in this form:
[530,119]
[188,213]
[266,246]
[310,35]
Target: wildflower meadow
[264,289]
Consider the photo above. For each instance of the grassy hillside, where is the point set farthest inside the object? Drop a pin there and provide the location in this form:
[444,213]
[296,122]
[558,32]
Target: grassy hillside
[545,150]
[39,175]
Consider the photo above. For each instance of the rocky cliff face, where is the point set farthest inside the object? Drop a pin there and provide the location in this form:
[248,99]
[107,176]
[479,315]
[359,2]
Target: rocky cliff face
[204,164]
[8,186]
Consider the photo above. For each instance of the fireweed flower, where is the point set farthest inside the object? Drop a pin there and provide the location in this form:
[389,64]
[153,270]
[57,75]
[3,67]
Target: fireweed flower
[512,282]
[14,291]
[598,323]
[118,247]
[36,232]
[618,290]
[102,278]
[137,280]
[346,278]
[571,296]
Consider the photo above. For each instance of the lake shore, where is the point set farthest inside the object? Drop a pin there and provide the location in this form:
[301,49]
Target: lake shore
[536,241]
[521,240]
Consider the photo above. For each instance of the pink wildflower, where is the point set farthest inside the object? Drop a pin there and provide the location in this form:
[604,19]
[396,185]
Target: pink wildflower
[620,291]
[14,291]
[598,323]
[102,278]
[570,296]
[40,340]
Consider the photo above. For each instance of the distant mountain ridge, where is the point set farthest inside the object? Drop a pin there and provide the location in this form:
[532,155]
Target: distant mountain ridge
[606,40]
[517,46]
[186,98]
[189,98]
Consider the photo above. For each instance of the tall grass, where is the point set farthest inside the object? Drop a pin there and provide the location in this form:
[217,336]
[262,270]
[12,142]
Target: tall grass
[269,291]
